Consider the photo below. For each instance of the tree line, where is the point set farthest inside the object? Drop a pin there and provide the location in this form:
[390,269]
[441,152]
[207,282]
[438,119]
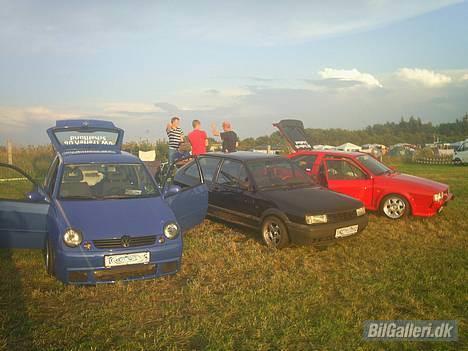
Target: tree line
[412,130]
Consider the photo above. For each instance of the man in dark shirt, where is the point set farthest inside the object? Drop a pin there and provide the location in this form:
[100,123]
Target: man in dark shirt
[228,137]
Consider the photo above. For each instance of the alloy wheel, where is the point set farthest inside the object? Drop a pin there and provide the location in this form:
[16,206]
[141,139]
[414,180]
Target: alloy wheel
[394,207]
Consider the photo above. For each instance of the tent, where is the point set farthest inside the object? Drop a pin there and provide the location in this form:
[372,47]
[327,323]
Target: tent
[348,147]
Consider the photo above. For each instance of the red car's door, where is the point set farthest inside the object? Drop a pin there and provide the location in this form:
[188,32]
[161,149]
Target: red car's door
[345,177]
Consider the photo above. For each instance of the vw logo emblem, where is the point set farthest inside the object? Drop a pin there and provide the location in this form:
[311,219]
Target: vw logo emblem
[125,241]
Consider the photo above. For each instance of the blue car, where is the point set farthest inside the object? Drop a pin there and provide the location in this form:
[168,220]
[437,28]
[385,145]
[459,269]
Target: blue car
[100,216]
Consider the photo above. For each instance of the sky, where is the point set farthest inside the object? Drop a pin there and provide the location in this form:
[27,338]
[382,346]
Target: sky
[333,64]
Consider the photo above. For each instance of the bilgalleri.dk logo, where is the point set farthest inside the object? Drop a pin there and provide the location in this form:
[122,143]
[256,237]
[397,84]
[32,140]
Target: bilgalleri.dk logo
[436,330]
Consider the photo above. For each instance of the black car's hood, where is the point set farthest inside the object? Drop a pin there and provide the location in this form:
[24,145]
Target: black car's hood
[310,200]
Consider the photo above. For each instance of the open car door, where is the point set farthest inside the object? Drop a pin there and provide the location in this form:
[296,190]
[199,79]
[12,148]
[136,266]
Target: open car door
[343,176]
[293,131]
[23,210]
[186,193]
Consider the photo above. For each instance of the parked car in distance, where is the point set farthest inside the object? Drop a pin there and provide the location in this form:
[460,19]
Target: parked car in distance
[271,193]
[100,216]
[460,155]
[363,177]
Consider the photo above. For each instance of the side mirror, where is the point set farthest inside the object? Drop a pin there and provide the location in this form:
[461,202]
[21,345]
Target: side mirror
[36,196]
[171,190]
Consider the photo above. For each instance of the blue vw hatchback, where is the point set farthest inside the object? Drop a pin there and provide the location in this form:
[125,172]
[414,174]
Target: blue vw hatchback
[100,216]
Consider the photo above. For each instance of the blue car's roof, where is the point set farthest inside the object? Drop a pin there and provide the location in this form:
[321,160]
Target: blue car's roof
[99,157]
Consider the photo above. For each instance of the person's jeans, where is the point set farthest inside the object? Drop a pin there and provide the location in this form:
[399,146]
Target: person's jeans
[172,155]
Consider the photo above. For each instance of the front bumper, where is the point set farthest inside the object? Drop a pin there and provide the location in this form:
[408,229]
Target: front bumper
[322,234]
[87,267]
[435,206]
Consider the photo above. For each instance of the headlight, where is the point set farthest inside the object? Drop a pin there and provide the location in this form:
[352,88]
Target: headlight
[316,219]
[72,237]
[438,197]
[361,211]
[171,230]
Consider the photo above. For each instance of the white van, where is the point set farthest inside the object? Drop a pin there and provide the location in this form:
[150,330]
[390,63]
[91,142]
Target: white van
[461,155]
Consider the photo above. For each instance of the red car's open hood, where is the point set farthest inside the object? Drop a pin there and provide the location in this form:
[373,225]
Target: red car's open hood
[293,131]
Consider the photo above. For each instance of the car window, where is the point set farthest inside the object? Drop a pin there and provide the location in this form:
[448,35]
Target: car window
[106,181]
[186,177]
[14,185]
[49,182]
[209,166]
[306,162]
[343,170]
[278,172]
[233,174]
[373,165]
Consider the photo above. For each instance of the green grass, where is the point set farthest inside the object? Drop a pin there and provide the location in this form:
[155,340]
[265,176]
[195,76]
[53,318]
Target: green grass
[233,293]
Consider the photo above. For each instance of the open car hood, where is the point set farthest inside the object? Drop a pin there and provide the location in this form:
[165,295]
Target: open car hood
[85,135]
[293,131]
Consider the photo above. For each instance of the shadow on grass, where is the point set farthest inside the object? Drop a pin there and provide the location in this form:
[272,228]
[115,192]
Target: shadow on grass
[15,325]
[255,235]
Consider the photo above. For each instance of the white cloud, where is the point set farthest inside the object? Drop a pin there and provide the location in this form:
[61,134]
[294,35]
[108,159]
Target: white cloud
[130,107]
[351,76]
[21,116]
[465,77]
[424,76]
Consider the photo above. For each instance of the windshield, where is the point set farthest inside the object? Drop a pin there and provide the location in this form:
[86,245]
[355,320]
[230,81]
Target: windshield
[373,165]
[106,181]
[278,172]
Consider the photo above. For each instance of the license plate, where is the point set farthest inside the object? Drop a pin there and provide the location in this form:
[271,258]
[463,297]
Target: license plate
[126,259]
[345,231]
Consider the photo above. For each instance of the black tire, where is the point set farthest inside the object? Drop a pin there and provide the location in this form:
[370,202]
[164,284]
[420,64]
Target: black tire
[394,206]
[457,162]
[50,258]
[274,233]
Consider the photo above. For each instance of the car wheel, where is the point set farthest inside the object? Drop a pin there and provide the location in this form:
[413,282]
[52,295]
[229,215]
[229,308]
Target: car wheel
[50,258]
[395,206]
[274,232]
[457,162]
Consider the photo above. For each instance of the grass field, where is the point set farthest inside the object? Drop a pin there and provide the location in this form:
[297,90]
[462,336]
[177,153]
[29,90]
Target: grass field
[235,294]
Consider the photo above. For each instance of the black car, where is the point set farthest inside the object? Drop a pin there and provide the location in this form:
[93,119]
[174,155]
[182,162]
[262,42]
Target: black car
[271,193]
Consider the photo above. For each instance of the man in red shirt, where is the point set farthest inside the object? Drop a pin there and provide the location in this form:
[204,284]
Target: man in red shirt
[198,138]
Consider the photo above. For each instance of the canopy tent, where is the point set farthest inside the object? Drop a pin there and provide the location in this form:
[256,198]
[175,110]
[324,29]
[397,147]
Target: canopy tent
[349,147]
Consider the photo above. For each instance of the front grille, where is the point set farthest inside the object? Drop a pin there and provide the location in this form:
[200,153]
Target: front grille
[117,243]
[341,216]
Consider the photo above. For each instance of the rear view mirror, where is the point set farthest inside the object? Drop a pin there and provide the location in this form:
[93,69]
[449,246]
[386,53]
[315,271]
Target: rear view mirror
[171,190]
[36,196]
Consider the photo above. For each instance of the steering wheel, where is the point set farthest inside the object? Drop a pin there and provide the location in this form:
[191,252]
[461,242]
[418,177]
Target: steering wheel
[286,177]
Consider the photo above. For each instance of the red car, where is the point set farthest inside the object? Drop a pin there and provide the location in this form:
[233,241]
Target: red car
[363,177]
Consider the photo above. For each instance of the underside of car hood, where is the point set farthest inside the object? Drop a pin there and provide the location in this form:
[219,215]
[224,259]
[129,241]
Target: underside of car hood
[293,131]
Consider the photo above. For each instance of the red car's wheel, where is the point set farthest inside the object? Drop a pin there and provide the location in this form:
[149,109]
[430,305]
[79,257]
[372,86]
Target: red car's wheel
[394,206]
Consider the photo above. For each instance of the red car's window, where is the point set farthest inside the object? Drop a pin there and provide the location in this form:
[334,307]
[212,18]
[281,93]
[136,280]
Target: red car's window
[343,170]
[306,162]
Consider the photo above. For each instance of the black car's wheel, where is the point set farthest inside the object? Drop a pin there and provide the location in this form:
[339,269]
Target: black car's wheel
[274,232]
[49,258]
[394,206]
